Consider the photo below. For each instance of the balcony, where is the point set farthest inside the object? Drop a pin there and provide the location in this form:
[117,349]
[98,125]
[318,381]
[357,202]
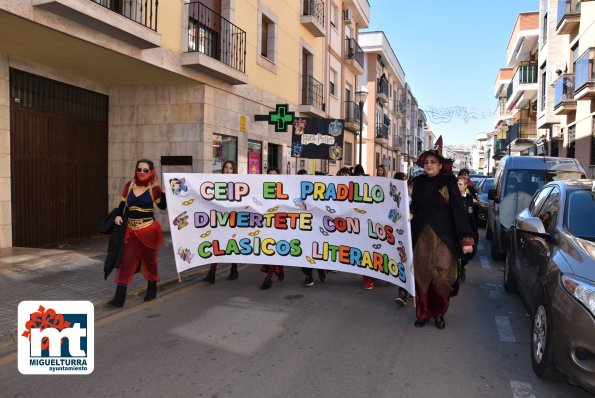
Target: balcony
[585,75]
[521,135]
[523,87]
[382,134]
[397,142]
[215,46]
[352,116]
[354,56]
[312,97]
[131,21]
[382,90]
[313,17]
[569,16]
[564,101]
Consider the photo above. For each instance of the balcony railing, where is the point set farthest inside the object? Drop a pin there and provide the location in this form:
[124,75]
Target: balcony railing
[526,73]
[315,8]
[382,131]
[312,92]
[397,141]
[567,8]
[211,34]
[521,130]
[501,145]
[382,86]
[143,12]
[352,112]
[354,51]
[564,89]
[584,70]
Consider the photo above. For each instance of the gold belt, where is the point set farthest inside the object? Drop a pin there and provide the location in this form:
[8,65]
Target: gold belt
[135,223]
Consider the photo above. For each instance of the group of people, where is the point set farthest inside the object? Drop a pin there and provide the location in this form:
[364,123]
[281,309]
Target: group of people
[443,227]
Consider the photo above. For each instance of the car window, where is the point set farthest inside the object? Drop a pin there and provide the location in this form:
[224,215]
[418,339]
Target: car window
[486,185]
[538,200]
[550,209]
[527,181]
[580,214]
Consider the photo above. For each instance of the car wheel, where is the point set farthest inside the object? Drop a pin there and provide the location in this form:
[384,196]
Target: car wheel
[509,279]
[497,255]
[542,358]
[488,231]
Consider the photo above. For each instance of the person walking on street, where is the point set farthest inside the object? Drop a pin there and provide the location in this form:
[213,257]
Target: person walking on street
[143,234]
[441,233]
[471,213]
[271,269]
[229,167]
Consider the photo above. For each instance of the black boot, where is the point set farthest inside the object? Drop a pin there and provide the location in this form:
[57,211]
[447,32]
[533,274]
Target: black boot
[151,291]
[119,298]
[211,275]
[267,284]
[233,272]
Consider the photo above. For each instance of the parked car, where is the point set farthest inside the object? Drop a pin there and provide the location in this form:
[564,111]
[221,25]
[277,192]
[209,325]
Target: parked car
[482,192]
[551,263]
[515,181]
[476,178]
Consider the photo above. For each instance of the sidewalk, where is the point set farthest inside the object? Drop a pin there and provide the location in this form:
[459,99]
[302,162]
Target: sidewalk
[74,272]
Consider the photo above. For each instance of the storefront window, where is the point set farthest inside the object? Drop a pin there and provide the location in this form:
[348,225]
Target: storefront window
[254,157]
[224,148]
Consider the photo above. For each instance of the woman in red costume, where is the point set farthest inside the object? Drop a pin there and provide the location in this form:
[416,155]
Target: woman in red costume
[143,233]
[440,234]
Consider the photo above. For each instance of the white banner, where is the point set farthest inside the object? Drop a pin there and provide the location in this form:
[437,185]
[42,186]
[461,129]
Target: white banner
[349,224]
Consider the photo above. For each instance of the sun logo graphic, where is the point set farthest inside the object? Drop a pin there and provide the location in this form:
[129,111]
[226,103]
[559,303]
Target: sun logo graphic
[56,337]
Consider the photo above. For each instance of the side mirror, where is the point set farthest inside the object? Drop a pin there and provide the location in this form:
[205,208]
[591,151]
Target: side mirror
[492,195]
[532,225]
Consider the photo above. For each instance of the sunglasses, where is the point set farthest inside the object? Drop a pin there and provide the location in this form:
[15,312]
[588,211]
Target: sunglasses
[143,170]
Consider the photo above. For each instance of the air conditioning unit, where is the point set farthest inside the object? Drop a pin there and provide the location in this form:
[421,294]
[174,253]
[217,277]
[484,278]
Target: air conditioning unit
[347,15]
[533,106]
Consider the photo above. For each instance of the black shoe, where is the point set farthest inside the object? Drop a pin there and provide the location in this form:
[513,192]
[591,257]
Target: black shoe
[210,278]
[420,323]
[309,281]
[267,284]
[119,298]
[322,275]
[151,291]
[233,273]
[281,274]
[440,322]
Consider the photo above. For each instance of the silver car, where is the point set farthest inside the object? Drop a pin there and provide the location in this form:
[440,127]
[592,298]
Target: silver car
[551,263]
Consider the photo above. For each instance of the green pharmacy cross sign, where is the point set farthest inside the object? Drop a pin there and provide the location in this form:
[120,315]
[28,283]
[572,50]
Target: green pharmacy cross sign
[281,117]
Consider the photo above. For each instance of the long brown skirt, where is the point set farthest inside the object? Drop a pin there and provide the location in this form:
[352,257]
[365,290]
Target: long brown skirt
[435,267]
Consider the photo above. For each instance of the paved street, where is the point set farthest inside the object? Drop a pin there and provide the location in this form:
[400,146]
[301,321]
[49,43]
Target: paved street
[333,340]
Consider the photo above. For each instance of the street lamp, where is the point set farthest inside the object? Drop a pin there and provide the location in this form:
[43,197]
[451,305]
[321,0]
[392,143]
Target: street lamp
[509,123]
[360,97]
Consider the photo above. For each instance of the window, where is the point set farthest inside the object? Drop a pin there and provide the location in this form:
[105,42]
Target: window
[224,148]
[543,87]
[332,82]
[348,154]
[377,159]
[544,28]
[549,211]
[571,141]
[535,205]
[580,214]
[267,38]
[334,15]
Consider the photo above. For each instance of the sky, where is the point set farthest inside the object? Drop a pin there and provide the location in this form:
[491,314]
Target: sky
[451,52]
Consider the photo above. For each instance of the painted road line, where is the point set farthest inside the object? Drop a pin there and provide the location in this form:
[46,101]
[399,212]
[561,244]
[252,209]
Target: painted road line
[485,262]
[521,389]
[504,329]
